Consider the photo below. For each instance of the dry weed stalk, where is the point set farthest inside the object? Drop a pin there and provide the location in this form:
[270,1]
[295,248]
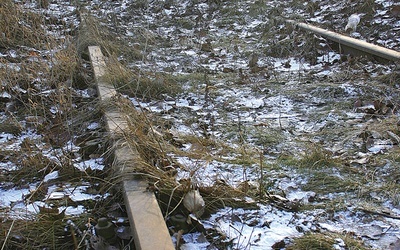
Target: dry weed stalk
[8,235]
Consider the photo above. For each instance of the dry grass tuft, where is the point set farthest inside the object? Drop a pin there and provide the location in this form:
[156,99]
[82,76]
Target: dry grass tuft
[93,33]
[144,85]
[19,27]
[40,99]
[314,157]
[49,231]
[324,241]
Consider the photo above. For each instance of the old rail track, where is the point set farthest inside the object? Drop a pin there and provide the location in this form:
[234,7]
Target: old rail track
[348,44]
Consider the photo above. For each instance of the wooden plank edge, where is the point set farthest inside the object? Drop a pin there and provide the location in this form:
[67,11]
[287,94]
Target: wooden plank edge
[150,231]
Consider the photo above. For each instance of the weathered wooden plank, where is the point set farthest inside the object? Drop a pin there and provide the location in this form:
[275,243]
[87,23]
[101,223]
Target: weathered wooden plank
[147,222]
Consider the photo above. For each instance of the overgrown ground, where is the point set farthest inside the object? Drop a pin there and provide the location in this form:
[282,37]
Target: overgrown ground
[55,179]
[291,145]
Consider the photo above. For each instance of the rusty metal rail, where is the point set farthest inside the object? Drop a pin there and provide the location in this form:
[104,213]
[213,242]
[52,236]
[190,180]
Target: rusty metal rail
[350,42]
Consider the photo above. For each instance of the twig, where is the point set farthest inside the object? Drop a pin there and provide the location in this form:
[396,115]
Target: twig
[169,202]
[8,234]
[179,239]
[249,241]
[261,185]
[128,246]
[279,112]
[379,213]
[71,228]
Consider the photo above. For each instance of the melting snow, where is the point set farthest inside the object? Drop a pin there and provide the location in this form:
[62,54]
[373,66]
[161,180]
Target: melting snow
[13,195]
[93,164]
[51,176]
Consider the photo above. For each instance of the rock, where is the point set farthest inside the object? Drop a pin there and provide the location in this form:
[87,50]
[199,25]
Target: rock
[106,230]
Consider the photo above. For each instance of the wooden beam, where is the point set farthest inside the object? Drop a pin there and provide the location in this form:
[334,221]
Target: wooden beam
[147,222]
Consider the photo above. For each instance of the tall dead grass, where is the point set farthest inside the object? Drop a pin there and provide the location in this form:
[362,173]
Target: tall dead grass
[19,27]
[40,98]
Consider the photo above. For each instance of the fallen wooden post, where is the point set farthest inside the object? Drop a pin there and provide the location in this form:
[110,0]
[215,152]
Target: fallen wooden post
[147,222]
[360,45]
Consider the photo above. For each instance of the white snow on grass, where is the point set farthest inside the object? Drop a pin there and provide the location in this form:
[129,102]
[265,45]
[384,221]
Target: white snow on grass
[93,164]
